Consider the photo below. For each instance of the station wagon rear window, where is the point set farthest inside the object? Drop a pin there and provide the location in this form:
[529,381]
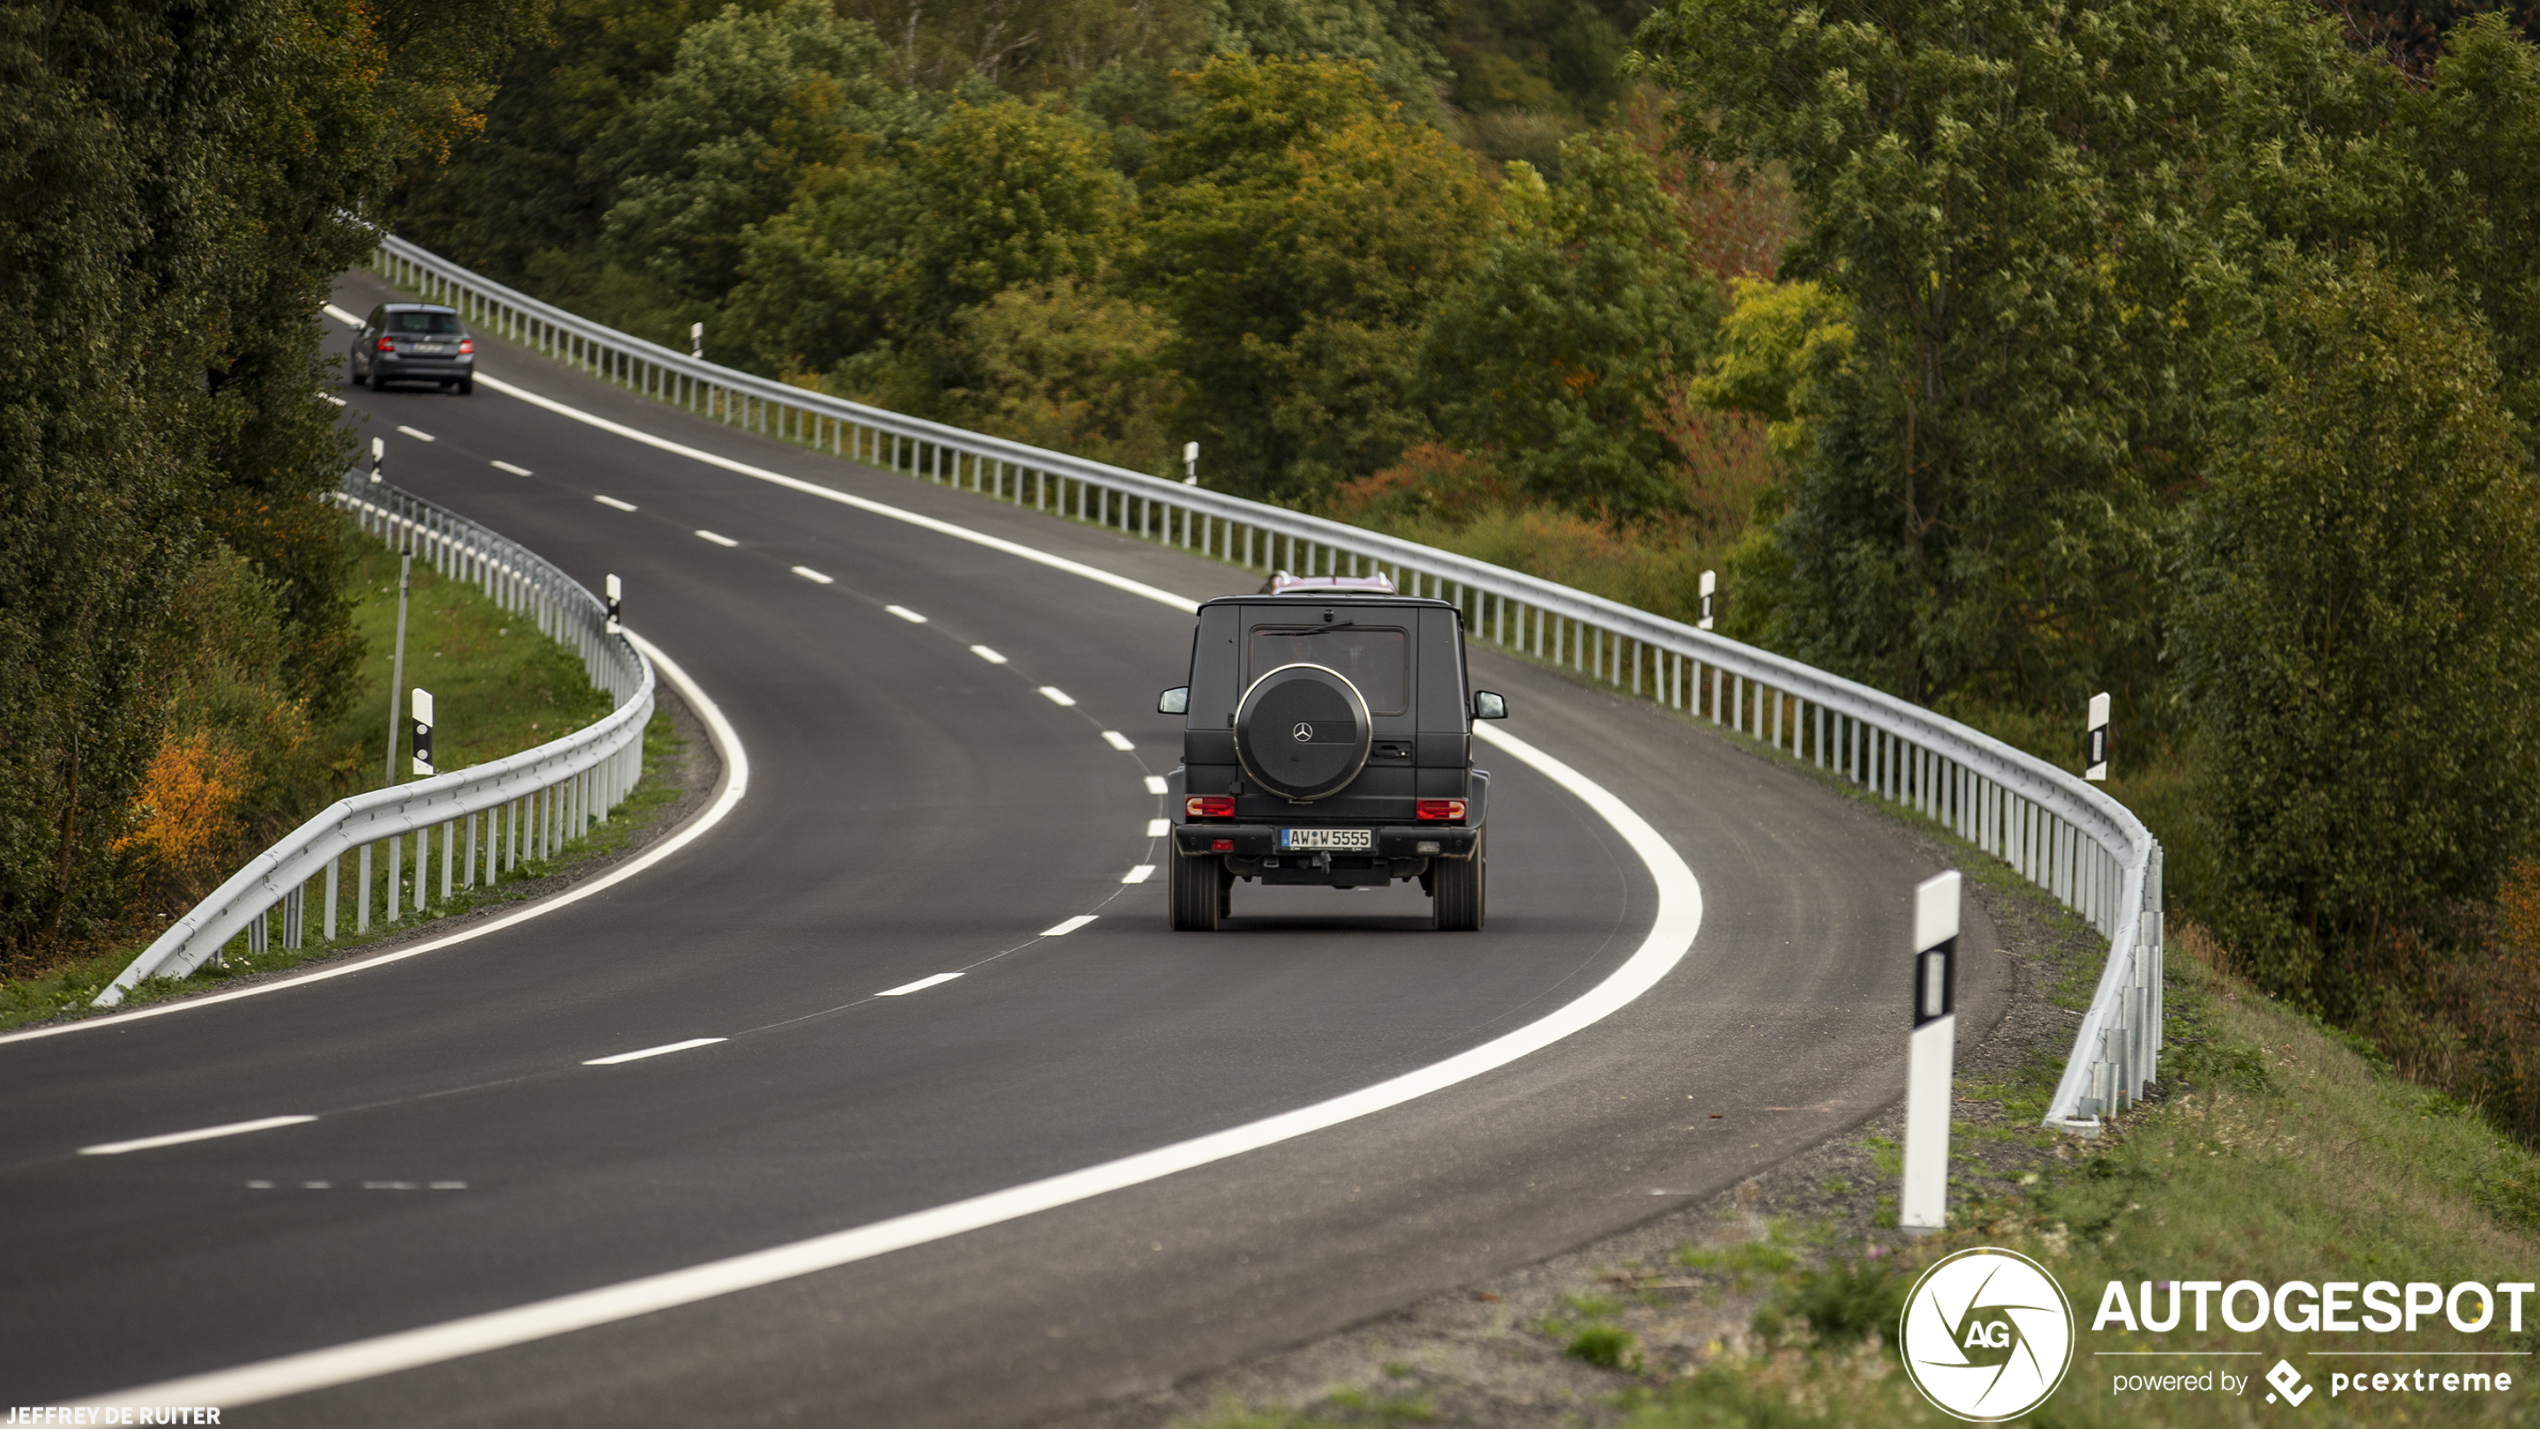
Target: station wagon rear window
[423,322]
[1376,658]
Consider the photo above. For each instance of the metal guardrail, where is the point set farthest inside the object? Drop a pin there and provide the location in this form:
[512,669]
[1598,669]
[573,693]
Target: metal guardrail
[2082,846]
[525,807]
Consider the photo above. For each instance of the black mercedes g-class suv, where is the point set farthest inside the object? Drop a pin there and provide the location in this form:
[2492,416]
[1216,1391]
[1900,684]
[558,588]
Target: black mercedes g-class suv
[1328,741]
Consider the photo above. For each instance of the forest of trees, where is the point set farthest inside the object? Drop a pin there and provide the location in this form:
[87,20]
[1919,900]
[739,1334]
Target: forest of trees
[1997,353]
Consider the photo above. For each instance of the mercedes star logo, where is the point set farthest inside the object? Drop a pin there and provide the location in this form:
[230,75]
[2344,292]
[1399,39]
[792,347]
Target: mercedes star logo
[1304,732]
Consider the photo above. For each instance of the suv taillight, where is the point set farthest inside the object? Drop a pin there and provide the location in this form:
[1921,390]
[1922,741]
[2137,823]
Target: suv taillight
[386,346]
[467,344]
[1210,806]
[1450,810]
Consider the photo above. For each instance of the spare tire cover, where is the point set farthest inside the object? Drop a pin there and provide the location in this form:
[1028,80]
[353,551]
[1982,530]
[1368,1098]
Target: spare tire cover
[1303,731]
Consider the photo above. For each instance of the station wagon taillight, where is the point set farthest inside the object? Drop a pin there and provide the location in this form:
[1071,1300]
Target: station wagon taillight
[467,344]
[1450,810]
[385,346]
[1209,806]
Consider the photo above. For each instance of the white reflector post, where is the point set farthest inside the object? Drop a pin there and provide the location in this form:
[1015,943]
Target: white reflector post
[423,731]
[1710,585]
[2094,759]
[1923,1205]
[614,592]
[696,339]
[1190,463]
[378,455]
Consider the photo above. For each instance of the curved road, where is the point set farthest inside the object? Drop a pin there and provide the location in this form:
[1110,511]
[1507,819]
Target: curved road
[916,810]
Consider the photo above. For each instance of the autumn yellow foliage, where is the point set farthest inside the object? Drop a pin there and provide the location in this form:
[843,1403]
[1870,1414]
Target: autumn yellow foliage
[189,808]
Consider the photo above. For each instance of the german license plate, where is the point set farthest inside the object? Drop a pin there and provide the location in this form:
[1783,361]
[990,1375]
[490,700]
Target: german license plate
[430,349]
[1352,839]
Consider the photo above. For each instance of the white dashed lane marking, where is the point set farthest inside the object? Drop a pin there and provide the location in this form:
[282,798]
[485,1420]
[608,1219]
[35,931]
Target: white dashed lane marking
[514,470]
[1139,874]
[613,501]
[1057,696]
[1070,926]
[1117,740]
[904,989]
[984,653]
[719,540]
[1158,828]
[418,436]
[815,577]
[663,1050]
[904,613]
[1155,783]
[179,1138]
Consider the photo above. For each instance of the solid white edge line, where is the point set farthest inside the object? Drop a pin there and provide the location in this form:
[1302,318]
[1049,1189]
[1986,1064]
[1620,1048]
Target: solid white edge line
[418,436]
[1117,740]
[201,1133]
[1139,874]
[815,577]
[1156,785]
[736,783]
[904,989]
[514,470]
[904,613]
[613,501]
[663,1050]
[716,537]
[1071,925]
[1671,934]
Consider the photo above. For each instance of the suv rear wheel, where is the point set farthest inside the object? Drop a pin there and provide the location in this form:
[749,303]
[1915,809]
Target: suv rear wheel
[1199,888]
[1458,886]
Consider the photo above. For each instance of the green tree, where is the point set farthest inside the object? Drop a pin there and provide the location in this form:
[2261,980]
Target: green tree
[2358,632]
[2010,197]
[1586,315]
[722,141]
[878,257]
[1067,367]
[1298,233]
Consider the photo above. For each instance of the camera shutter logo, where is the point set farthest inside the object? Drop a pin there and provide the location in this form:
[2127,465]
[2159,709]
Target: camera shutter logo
[1987,1334]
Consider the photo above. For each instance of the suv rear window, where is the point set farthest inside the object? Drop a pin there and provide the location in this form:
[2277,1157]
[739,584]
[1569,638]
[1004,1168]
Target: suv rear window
[1377,659]
[423,322]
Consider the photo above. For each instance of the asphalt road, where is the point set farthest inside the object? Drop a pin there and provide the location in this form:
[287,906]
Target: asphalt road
[916,810]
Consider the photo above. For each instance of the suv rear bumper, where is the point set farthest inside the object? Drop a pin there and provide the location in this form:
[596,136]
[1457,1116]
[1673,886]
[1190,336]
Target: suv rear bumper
[1258,841]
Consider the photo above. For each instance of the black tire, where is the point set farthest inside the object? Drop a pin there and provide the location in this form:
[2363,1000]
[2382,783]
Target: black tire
[468,388]
[1197,892]
[1461,888]
[358,379]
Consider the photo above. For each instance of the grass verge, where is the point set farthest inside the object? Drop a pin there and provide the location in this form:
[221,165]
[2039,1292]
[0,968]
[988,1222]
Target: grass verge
[499,687]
